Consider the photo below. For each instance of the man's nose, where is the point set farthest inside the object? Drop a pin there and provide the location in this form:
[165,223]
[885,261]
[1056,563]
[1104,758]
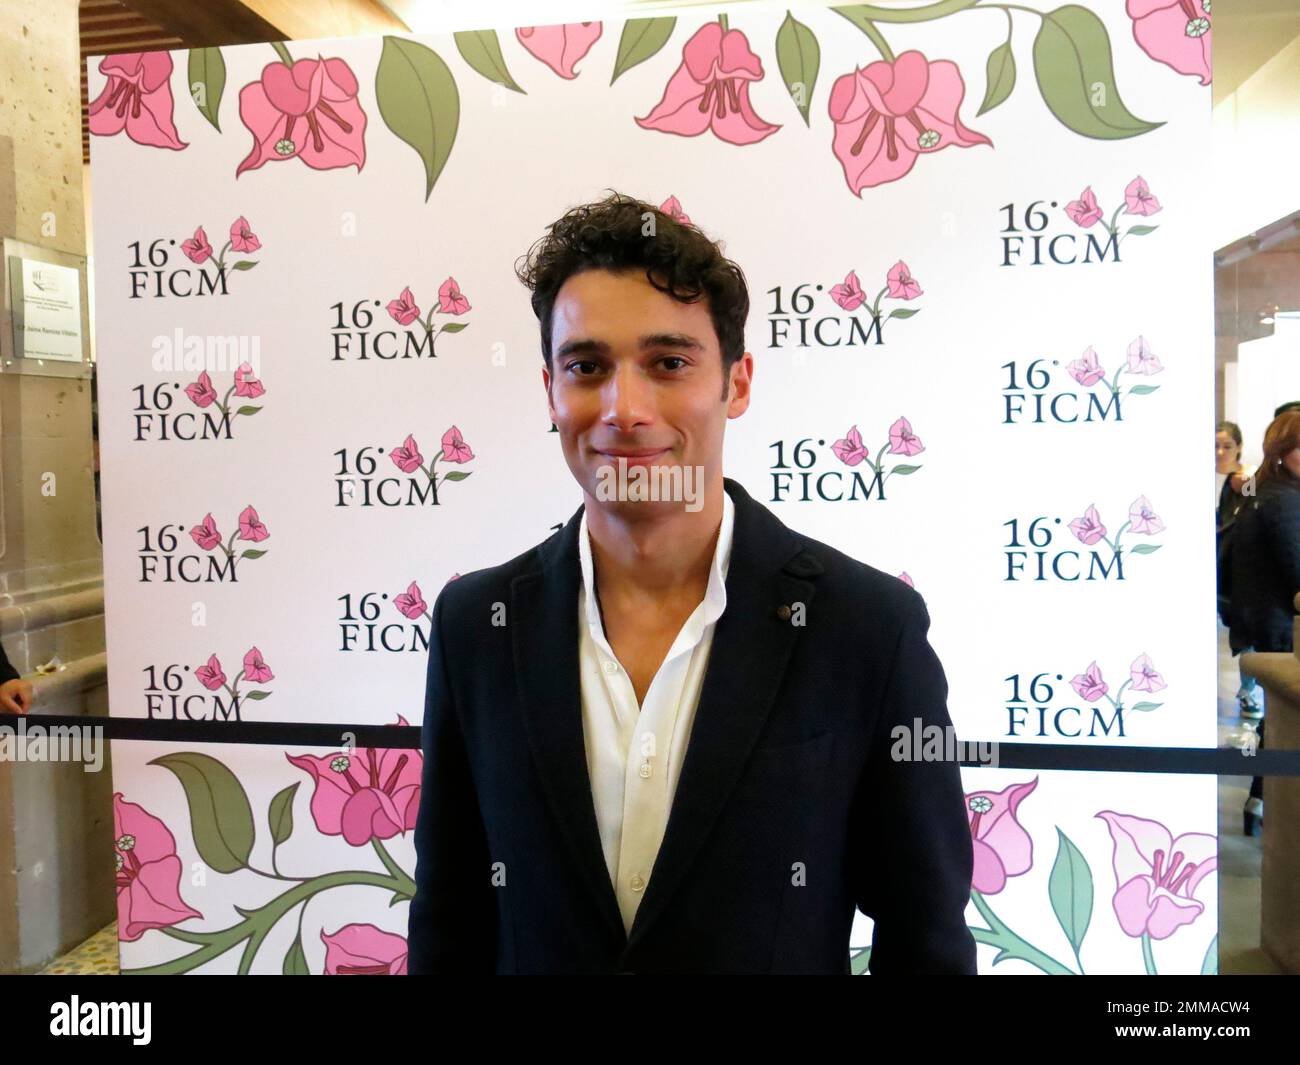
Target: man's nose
[627,398]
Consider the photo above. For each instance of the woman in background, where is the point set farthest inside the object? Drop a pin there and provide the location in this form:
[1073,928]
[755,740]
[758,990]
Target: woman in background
[1230,477]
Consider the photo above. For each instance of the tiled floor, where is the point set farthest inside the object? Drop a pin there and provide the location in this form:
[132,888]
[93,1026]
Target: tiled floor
[1239,857]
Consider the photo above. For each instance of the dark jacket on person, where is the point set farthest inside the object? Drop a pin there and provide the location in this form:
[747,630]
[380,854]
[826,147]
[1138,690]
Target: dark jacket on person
[1266,568]
[7,671]
[789,814]
[1230,501]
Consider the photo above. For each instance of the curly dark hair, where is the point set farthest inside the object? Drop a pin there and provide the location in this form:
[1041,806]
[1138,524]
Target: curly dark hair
[677,257]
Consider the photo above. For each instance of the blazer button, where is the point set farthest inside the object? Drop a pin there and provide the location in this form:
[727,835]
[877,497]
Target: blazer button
[783,612]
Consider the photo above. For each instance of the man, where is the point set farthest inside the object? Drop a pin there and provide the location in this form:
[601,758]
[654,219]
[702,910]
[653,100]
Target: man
[659,741]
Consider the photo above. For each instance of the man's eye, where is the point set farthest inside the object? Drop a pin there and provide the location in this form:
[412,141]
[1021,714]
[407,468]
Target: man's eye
[581,362]
[674,358]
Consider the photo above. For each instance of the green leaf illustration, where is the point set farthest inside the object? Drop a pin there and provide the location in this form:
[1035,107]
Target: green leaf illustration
[1143,708]
[903,312]
[1073,65]
[244,264]
[860,962]
[248,410]
[999,76]
[418,102]
[481,49]
[904,470]
[221,821]
[295,961]
[252,553]
[798,55]
[1070,889]
[1210,966]
[457,475]
[1142,390]
[280,814]
[256,696]
[1144,549]
[1140,231]
[454,327]
[642,38]
[207,74]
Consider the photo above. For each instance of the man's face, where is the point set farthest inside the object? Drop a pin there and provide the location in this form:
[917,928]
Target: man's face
[637,373]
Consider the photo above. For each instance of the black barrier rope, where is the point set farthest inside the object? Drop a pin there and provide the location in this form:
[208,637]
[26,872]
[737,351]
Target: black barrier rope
[1108,758]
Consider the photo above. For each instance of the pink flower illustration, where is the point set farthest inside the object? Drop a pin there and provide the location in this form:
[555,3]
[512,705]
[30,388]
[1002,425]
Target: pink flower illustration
[1089,684]
[902,441]
[1002,847]
[906,579]
[850,450]
[454,448]
[1087,370]
[245,383]
[849,295]
[1156,875]
[1143,518]
[255,669]
[411,602]
[902,286]
[1144,675]
[1141,359]
[407,457]
[450,299]
[1084,211]
[201,391]
[886,114]
[672,207]
[137,98]
[1088,529]
[241,237]
[403,309]
[148,872]
[1174,32]
[308,111]
[560,47]
[364,794]
[364,950]
[710,90]
[1138,198]
[197,249]
[206,534]
[210,675]
[250,526]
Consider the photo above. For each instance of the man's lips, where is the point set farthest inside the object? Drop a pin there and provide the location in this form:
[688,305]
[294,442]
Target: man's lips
[640,453]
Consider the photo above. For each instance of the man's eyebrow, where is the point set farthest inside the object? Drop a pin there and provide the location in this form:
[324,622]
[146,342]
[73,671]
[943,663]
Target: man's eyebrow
[588,346]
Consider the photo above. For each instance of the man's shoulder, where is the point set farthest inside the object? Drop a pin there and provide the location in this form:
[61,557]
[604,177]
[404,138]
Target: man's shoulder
[491,583]
[861,585]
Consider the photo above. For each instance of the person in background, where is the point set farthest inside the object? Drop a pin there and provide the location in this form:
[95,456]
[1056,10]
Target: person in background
[15,693]
[1266,563]
[1230,478]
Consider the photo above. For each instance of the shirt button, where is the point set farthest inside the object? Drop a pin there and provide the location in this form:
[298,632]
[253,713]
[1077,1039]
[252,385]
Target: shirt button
[636,883]
[611,667]
[645,770]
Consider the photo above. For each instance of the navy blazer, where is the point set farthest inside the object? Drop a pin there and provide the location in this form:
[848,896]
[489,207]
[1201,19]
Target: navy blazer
[789,811]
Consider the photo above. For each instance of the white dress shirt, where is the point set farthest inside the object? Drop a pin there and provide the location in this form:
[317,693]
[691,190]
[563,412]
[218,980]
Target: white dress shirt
[634,754]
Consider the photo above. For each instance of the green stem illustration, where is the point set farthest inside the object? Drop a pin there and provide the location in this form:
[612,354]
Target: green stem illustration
[1011,945]
[282,52]
[1115,546]
[1148,959]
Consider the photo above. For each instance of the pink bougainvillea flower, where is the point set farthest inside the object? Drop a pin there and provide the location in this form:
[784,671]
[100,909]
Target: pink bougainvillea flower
[241,237]
[902,285]
[1138,198]
[411,602]
[1088,529]
[364,950]
[1174,32]
[886,114]
[1084,211]
[560,47]
[201,391]
[211,675]
[1143,518]
[850,450]
[197,249]
[1145,677]
[407,457]
[364,794]
[672,207]
[206,534]
[250,526]
[138,99]
[255,669]
[902,441]
[1089,684]
[1141,359]
[906,579]
[454,448]
[308,111]
[148,872]
[450,298]
[1087,370]
[710,90]
[849,295]
[1156,875]
[1002,847]
[245,383]
[403,309]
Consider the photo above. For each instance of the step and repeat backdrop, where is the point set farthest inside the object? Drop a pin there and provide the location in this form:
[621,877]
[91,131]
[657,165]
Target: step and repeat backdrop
[982,329]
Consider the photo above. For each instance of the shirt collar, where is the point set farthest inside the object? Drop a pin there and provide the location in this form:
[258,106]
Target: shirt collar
[715,595]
